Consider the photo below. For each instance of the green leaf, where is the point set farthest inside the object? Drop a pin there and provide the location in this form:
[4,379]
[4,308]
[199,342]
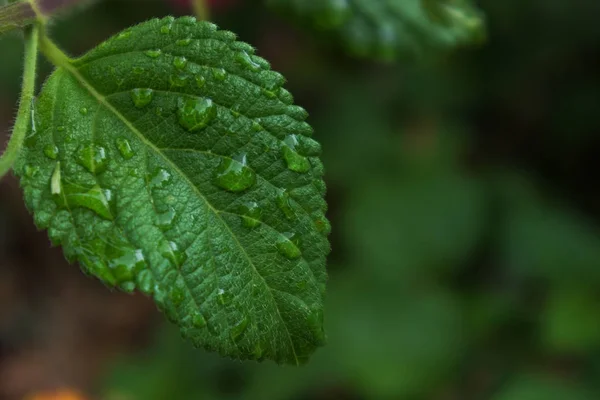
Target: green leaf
[388,28]
[167,160]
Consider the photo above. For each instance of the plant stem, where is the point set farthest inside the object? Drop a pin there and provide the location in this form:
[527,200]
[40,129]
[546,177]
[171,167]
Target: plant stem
[25,112]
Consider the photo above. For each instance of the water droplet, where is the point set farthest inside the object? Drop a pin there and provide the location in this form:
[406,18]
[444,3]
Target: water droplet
[234,175]
[198,320]
[295,162]
[125,262]
[323,226]
[268,94]
[124,35]
[92,157]
[124,148]
[246,61]
[160,178]
[256,127]
[200,81]
[315,322]
[177,296]
[55,181]
[285,205]
[31,171]
[145,282]
[60,129]
[171,252]
[251,214]
[224,297]
[179,62]
[235,111]
[165,220]
[239,328]
[219,73]
[153,53]
[83,111]
[287,246]
[183,42]
[166,29]
[141,97]
[179,80]
[138,70]
[195,113]
[158,111]
[51,151]
[96,199]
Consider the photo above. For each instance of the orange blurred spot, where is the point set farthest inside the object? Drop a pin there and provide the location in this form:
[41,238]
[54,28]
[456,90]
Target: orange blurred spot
[64,394]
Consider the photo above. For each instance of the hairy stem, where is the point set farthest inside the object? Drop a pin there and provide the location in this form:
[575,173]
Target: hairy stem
[25,113]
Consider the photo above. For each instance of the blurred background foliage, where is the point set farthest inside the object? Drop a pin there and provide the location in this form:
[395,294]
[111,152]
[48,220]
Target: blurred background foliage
[466,241]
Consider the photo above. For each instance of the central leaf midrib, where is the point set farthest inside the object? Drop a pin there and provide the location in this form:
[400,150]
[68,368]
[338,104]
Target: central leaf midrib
[92,91]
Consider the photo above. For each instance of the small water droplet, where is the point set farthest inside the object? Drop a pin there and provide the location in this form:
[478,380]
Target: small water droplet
[251,214]
[183,42]
[125,148]
[31,171]
[198,320]
[179,80]
[145,281]
[285,205]
[83,111]
[234,175]
[160,178]
[55,181]
[235,111]
[195,113]
[51,151]
[295,162]
[246,61]
[92,157]
[60,129]
[269,94]
[96,199]
[179,62]
[124,35]
[200,81]
[141,97]
[177,296]
[287,246]
[171,252]
[256,127]
[224,297]
[153,53]
[138,70]
[219,74]
[166,29]
[158,111]
[239,328]
[165,220]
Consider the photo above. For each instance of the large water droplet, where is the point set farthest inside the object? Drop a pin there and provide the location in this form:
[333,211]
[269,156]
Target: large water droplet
[285,205]
[195,113]
[31,171]
[165,220]
[224,297]
[234,175]
[125,262]
[83,110]
[183,42]
[153,53]
[96,199]
[246,61]
[179,80]
[287,246]
[295,162]
[198,320]
[220,74]
[171,252]
[200,81]
[160,178]
[92,157]
[239,328]
[251,214]
[269,94]
[141,97]
[124,35]
[179,62]
[51,151]
[166,29]
[124,148]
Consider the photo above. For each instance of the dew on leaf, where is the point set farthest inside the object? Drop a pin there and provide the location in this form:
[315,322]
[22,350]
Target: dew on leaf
[153,53]
[200,81]
[56,181]
[124,148]
[257,127]
[239,328]
[250,214]
[246,61]
[96,199]
[83,111]
[138,70]
[141,97]
[31,171]
[166,29]
[195,113]
[287,247]
[183,42]
[295,162]
[179,80]
[145,281]
[127,286]
[285,205]
[160,178]
[171,252]
[125,262]
[124,35]
[268,93]
[198,320]
[51,151]
[234,175]
[179,62]
[165,220]
[224,297]
[92,157]
[219,74]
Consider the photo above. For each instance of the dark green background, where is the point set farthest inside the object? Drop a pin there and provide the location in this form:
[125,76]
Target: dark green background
[465,204]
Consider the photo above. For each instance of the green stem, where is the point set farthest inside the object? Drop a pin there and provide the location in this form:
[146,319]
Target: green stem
[25,112]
